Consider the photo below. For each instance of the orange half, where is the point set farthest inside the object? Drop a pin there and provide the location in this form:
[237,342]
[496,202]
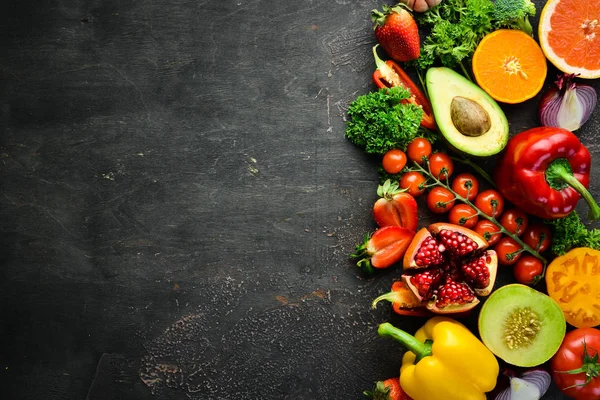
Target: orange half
[510,66]
[569,33]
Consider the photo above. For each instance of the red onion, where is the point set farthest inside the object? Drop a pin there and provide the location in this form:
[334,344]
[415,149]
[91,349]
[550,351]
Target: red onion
[530,385]
[568,104]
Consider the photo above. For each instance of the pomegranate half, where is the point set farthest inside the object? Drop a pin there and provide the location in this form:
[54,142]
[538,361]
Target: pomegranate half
[447,266]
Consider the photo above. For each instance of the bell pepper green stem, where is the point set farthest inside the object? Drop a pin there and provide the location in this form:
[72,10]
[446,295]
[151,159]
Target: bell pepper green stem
[559,174]
[420,349]
[379,63]
[392,297]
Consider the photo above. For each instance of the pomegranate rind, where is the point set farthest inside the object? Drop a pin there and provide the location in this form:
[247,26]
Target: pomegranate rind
[453,309]
[413,248]
[493,268]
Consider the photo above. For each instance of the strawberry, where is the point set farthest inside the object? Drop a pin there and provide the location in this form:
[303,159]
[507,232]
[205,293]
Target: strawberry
[388,390]
[397,32]
[385,247]
[395,207]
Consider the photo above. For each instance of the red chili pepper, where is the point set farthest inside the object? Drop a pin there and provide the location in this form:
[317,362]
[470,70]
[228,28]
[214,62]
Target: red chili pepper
[389,74]
[403,300]
[545,171]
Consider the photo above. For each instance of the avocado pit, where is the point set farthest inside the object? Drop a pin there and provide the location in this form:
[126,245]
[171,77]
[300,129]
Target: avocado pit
[469,117]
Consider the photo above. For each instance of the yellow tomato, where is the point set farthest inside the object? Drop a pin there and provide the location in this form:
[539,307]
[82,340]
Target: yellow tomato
[573,281]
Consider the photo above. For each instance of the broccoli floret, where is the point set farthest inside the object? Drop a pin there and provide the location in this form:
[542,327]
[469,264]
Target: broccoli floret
[514,14]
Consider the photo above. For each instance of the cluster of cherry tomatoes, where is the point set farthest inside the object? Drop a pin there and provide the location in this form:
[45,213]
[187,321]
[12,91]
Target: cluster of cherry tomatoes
[484,211]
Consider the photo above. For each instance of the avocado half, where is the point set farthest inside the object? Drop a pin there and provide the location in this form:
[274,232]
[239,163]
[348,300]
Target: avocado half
[468,118]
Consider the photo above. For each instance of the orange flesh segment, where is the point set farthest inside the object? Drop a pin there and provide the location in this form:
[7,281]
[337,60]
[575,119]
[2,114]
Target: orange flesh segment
[510,66]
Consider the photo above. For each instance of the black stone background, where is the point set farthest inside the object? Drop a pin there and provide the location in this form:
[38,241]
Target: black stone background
[178,201]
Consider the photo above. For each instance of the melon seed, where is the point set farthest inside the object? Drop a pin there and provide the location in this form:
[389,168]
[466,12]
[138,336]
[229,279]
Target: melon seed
[469,117]
[521,327]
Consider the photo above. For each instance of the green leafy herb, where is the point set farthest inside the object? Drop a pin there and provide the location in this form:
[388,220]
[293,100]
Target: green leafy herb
[457,26]
[379,121]
[570,232]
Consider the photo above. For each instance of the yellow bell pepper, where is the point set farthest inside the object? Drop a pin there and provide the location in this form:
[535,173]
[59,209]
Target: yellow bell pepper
[444,361]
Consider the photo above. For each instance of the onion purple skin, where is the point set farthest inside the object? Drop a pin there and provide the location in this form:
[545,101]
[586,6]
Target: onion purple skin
[567,93]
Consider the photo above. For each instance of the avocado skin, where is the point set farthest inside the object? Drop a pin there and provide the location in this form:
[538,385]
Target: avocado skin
[443,84]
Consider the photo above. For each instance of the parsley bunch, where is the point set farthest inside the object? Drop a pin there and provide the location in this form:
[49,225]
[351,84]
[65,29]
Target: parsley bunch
[570,232]
[380,121]
[456,27]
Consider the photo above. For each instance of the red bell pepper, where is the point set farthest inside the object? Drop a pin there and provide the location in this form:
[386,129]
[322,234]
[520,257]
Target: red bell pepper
[389,74]
[545,171]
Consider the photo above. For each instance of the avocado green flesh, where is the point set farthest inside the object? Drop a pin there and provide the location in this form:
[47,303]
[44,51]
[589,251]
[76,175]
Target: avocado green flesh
[443,84]
[499,306]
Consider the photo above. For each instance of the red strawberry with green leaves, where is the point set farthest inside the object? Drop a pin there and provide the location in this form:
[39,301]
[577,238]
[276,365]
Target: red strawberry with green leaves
[395,207]
[397,32]
[385,247]
[388,390]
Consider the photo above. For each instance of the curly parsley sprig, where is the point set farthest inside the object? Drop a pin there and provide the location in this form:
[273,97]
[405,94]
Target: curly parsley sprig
[570,232]
[381,120]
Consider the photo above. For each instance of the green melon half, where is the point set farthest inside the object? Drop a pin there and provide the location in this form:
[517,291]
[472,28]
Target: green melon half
[501,305]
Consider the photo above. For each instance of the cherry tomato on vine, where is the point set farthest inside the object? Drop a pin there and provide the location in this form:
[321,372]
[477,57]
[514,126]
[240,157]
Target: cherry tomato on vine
[466,185]
[418,149]
[488,230]
[579,346]
[538,237]
[515,221]
[440,200]
[414,181]
[393,161]
[508,251]
[528,269]
[463,215]
[441,165]
[490,202]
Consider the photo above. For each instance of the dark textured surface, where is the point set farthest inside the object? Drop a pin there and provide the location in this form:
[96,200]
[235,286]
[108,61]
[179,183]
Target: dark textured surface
[178,201]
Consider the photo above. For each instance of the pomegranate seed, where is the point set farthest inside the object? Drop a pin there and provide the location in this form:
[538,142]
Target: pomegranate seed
[476,271]
[426,282]
[453,292]
[429,253]
[456,243]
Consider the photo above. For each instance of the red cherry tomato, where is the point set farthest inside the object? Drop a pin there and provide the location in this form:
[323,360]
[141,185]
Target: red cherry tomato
[490,202]
[578,345]
[414,181]
[440,200]
[393,161]
[466,185]
[463,215]
[528,269]
[538,237]
[441,165]
[488,230]
[515,221]
[418,149]
[507,250]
